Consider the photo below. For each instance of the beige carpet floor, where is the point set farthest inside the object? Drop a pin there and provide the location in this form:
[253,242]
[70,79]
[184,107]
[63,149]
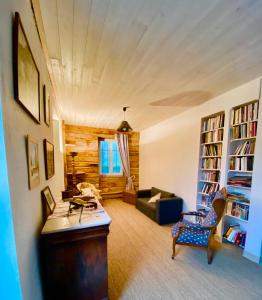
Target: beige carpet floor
[140,266]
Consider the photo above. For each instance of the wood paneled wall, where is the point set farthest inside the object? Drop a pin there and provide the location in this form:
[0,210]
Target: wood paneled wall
[84,140]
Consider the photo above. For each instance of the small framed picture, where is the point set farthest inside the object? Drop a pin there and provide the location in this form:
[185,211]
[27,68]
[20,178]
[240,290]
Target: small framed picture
[49,159]
[48,198]
[32,162]
[47,105]
[26,74]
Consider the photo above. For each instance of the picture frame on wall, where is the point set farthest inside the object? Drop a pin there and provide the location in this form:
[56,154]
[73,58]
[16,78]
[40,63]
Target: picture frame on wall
[48,198]
[47,105]
[33,162]
[49,159]
[26,73]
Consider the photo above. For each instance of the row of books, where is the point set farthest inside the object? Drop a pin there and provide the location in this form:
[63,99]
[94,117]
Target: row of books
[238,210]
[234,235]
[206,201]
[212,150]
[244,163]
[211,163]
[237,197]
[244,131]
[209,188]
[248,147]
[213,136]
[244,181]
[245,113]
[213,123]
[210,176]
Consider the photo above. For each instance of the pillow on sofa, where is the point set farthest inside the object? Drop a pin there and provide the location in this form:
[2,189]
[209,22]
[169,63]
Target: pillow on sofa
[154,198]
[164,194]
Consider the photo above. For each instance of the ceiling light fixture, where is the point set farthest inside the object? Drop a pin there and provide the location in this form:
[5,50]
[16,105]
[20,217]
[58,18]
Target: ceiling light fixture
[124,126]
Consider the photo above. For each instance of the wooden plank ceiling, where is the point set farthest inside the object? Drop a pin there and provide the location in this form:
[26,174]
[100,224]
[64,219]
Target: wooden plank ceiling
[159,57]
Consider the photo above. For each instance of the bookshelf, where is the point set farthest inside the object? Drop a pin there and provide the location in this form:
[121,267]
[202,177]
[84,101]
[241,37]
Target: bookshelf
[241,155]
[211,142]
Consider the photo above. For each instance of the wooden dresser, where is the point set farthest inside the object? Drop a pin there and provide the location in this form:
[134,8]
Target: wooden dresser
[74,257]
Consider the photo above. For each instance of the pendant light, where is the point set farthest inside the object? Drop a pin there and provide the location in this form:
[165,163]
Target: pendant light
[124,126]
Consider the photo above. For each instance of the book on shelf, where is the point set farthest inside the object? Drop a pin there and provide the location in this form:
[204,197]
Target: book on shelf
[211,163]
[235,235]
[244,163]
[242,131]
[238,197]
[213,123]
[209,188]
[210,176]
[213,136]
[242,181]
[248,147]
[245,113]
[212,150]
[238,210]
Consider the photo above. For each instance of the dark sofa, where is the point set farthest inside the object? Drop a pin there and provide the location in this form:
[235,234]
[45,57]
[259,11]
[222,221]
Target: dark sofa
[166,210]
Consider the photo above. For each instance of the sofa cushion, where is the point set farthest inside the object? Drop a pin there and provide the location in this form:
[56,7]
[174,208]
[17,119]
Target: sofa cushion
[164,194]
[154,198]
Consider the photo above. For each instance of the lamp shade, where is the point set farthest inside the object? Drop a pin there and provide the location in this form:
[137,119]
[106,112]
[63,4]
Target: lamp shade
[124,127]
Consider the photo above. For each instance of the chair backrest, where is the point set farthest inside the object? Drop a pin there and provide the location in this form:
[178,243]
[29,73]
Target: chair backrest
[219,207]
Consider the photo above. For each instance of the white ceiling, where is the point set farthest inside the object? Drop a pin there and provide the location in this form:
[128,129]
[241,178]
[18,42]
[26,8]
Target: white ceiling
[160,57]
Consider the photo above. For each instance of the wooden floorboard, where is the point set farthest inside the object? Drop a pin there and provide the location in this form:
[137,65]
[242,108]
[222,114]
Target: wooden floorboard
[140,265]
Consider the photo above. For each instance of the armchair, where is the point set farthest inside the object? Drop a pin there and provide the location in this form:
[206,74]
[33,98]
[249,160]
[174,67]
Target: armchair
[196,234]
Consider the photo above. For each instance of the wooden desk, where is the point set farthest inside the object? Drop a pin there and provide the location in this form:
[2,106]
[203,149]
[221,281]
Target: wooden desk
[74,257]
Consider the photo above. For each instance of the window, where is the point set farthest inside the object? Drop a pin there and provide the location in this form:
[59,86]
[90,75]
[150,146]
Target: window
[110,162]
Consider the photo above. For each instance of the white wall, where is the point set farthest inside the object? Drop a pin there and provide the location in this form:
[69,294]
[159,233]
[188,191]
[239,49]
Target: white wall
[169,155]
[26,205]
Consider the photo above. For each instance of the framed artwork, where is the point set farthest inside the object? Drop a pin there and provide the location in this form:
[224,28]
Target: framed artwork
[48,198]
[33,162]
[26,74]
[49,159]
[47,105]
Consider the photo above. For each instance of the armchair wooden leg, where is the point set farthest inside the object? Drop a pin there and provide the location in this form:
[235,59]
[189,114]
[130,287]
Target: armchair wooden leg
[174,247]
[209,254]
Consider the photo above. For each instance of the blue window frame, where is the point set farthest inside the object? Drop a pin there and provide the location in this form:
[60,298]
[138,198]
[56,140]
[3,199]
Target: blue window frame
[110,162]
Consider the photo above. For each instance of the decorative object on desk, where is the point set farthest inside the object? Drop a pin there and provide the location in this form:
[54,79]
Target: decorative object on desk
[33,162]
[80,203]
[26,74]
[49,159]
[122,142]
[124,126]
[47,105]
[48,198]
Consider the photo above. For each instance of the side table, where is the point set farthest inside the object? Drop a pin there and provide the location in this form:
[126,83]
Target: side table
[129,197]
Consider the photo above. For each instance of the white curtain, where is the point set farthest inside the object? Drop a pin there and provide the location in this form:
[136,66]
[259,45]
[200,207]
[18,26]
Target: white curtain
[122,142]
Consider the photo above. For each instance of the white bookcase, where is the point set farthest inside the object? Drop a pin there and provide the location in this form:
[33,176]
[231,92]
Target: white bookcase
[240,161]
[211,143]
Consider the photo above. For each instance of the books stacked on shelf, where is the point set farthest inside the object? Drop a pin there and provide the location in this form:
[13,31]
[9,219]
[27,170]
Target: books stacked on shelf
[240,181]
[206,201]
[212,150]
[210,176]
[237,197]
[246,148]
[213,136]
[245,113]
[238,210]
[244,131]
[209,188]
[211,163]
[234,235]
[213,123]
[244,163]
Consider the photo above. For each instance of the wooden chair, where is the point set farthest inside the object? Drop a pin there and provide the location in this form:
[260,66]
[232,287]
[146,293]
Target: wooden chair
[200,235]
